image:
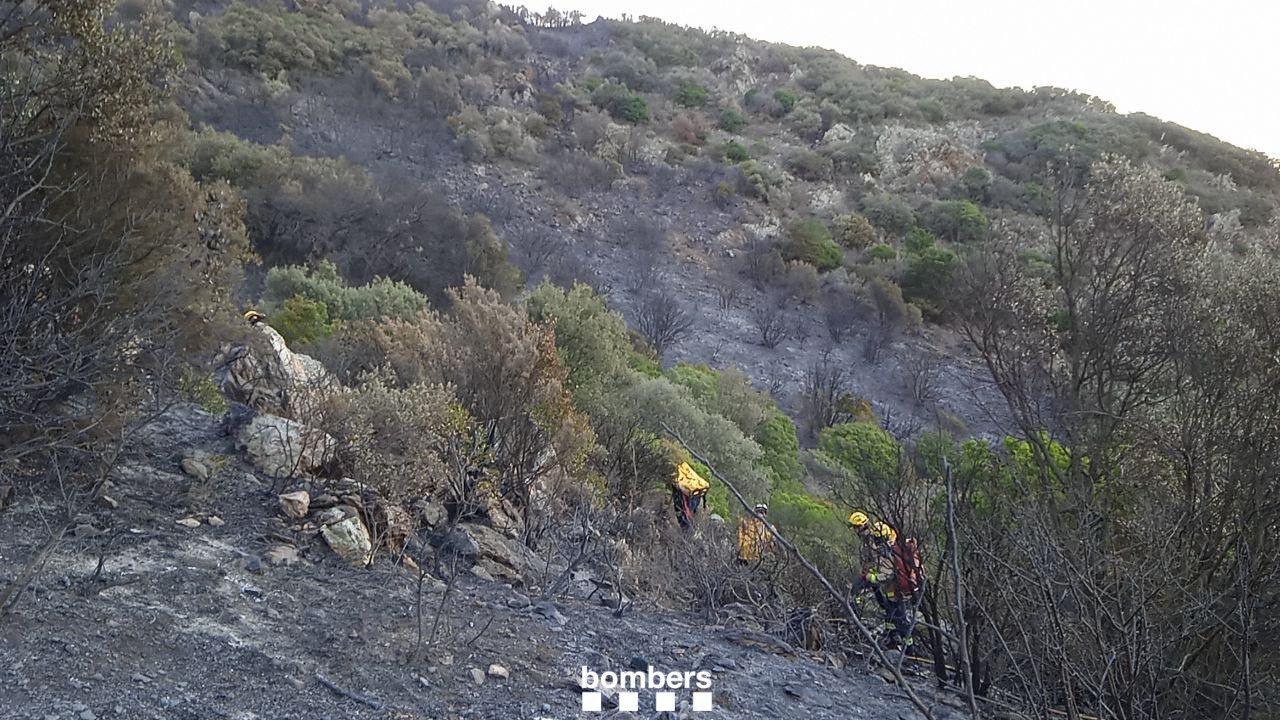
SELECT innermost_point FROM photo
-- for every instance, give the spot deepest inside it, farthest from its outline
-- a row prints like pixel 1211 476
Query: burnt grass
pixel 197 623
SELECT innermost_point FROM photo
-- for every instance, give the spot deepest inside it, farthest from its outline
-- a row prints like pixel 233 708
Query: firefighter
pixel 879 575
pixel 688 493
pixel 753 535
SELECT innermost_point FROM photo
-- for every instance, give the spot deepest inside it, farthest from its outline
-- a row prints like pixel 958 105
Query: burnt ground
pixel 199 623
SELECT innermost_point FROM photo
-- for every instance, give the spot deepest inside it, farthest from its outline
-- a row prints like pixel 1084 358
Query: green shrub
pixel 956 220
pixel 621 103
pixel 919 240
pixel 786 98
pixel 853 230
pixel 731 121
pixel 889 213
pixel 381 298
pixel 780 447
pixel 811 242
pixel 809 165
pixel 862 448
pixel 735 152
pixel 882 252
pixel 928 278
pixel 199 387
pixel 691 95
pixel 301 320
pixel 591 338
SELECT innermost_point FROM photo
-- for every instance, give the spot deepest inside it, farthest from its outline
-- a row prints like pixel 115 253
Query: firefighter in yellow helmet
pixel 753 535
pixel 253 317
pixel 878 575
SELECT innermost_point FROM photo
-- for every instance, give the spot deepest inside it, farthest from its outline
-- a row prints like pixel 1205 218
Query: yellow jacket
pixel 753 539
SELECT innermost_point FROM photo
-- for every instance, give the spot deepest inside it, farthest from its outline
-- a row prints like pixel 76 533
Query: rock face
pixel 282 448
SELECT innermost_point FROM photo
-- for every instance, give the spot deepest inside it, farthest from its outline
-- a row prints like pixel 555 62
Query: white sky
pixel 1213 66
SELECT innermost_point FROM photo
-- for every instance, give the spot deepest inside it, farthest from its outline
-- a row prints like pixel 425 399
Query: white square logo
pixel 590 702
pixel 629 702
pixel 664 702
pixel 702 702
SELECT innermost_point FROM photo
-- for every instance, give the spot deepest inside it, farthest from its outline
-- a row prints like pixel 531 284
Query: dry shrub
pixel 396 439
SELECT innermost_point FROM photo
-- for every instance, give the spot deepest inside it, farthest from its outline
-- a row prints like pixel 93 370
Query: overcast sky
pixel 1209 65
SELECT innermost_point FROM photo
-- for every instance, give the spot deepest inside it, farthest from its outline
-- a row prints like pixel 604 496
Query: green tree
pixel 882 252
pixel 592 339
pixel 780 446
pixel 956 220
pixel 928 278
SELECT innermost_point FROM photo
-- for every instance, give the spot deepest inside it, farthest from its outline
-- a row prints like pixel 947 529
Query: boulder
pixel 295 504
pixel 500 556
pixel 392 524
pixel 281 448
pixel 429 512
pixel 349 538
pixel 195 468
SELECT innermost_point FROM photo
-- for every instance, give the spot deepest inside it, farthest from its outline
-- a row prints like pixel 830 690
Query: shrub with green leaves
pixel 735 152
pixel 301 320
pixel 862 448
pixel 918 240
pixel 890 213
pixel 731 121
pixel 853 230
pixel 691 95
pixel 780 447
pixel 811 242
pixel 956 220
pixel 928 278
pixel 621 103
pixel 592 340
pixel 786 99
pixel 381 298
pixel 882 252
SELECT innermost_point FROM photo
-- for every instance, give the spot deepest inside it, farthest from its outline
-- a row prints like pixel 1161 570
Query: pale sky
pixel 1213 66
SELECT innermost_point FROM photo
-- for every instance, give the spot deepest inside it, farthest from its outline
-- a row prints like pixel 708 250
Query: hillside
pixel 644 158
pixel 391 359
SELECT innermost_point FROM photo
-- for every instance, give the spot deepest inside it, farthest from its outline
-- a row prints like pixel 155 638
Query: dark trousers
pixel 897 621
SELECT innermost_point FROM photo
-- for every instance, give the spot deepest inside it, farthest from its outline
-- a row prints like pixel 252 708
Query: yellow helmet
pixel 882 531
pixel 253 316
pixel 858 519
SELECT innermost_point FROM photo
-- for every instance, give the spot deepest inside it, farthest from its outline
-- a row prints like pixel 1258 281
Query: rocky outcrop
pixel 282 448
pixel 274 378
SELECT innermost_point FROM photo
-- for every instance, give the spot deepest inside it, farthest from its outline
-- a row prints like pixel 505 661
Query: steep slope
pixel 158 620
pixel 644 158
